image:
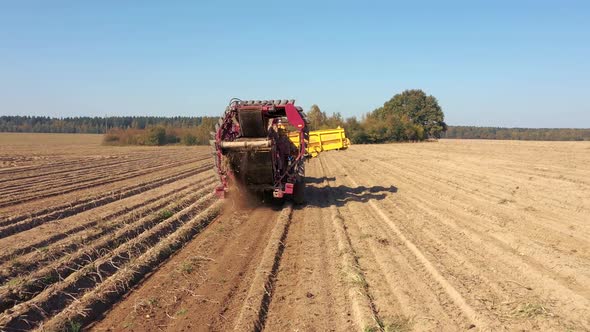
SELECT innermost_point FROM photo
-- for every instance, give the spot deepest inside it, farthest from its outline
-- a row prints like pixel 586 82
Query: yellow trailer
pixel 323 140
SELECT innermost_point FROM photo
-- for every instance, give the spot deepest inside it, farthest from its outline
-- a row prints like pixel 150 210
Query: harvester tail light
pixel 288 188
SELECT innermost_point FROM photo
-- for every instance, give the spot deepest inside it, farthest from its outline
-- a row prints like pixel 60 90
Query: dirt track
pixel 453 235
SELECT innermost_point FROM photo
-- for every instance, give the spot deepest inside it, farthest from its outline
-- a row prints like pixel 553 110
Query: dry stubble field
pixel 452 235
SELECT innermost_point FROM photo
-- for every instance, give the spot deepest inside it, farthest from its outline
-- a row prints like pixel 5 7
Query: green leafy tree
pixel 204 129
pixel 317 119
pixel 189 139
pixel 418 109
pixel 156 136
pixel 334 121
pixel 355 131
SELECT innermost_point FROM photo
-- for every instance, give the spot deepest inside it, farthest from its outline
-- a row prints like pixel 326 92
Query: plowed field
pixel 449 235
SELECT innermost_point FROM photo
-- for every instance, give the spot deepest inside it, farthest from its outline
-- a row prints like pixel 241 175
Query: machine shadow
pixel 340 195
pixel 312 180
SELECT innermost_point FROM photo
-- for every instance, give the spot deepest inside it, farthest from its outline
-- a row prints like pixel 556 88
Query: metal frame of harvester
pixel 253 151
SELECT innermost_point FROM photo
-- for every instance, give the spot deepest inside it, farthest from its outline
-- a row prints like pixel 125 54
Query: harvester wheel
pixel 299 192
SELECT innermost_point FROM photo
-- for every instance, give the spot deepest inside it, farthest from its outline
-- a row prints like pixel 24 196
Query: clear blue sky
pixel 493 63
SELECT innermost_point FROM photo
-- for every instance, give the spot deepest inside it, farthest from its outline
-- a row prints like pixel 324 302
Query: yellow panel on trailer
pixel 323 140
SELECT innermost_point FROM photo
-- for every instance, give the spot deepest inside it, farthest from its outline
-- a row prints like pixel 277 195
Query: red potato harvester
pixel 252 150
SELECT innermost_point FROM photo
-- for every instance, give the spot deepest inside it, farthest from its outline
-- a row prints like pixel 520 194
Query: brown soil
pixel 204 285
pixel 450 235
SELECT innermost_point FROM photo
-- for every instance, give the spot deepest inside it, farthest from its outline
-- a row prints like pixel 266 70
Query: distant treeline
pixel 91 125
pixel 409 116
pixel 162 135
pixel 528 134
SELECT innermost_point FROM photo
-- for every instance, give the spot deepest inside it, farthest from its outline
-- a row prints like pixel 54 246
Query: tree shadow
pixel 326 196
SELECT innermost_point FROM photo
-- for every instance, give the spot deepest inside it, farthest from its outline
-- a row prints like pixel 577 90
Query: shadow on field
pixel 313 180
pixel 325 196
